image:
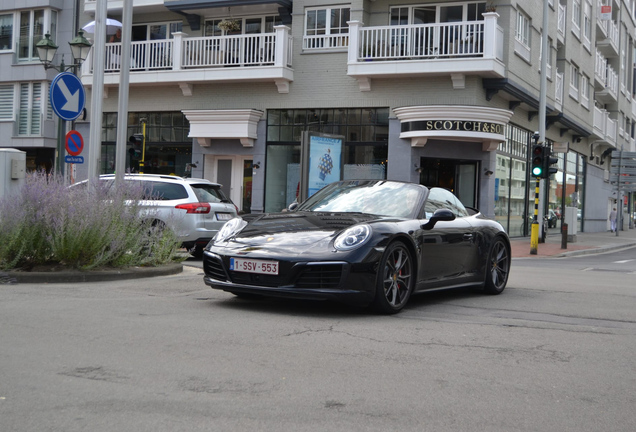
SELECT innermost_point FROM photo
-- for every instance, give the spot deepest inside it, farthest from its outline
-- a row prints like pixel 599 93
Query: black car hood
pixel 300 229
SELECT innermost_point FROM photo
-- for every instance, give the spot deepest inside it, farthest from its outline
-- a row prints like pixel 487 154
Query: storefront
pixel 168 150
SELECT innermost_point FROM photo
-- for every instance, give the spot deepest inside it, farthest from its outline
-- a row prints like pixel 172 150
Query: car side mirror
pixel 292 207
pixel 439 215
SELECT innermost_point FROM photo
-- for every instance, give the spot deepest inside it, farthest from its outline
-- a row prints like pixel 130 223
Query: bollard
pixel 564 236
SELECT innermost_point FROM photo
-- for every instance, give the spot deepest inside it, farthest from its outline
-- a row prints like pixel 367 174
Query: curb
pixel 596 250
pixel 74 276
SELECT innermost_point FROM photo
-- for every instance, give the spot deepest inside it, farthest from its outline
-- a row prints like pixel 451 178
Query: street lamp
pixel 47 49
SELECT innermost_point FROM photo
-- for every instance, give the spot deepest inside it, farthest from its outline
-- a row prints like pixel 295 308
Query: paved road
pixel 556 351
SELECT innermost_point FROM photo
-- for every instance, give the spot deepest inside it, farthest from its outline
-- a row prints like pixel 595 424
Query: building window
pixel 548 60
pixel 33 25
pixel 30 110
pixel 574 82
pixel 585 91
pixel 6 102
pixel 522 36
pixel 256 25
pixel 326 28
pixel 576 18
pixel 6 32
pixel 523 29
pixel 156 31
pixel 587 25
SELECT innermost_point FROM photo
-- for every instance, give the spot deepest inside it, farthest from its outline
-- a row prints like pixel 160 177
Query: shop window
pixel 365 154
pixel 168 148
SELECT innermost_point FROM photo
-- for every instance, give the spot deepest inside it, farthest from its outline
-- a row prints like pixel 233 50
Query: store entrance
pixel 456 175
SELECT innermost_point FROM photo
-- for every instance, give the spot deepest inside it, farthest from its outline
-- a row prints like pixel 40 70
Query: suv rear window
pixel 164 191
pixel 208 193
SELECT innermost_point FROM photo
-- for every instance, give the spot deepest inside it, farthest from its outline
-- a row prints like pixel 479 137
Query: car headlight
pixel 353 237
pixel 230 229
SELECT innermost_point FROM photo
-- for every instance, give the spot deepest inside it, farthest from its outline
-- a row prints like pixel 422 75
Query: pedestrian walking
pixel 612 219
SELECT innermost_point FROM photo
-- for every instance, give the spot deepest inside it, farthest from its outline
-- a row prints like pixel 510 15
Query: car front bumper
pixel 333 280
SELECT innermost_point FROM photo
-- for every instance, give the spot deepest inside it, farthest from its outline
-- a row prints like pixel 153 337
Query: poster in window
pixel 325 161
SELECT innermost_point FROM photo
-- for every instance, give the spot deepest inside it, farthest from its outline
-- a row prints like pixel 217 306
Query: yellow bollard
pixel 534 238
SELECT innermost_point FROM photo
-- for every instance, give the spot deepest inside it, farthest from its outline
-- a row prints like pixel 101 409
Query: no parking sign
pixel 74 144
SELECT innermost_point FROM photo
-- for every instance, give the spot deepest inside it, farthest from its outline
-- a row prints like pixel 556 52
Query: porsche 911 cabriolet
pixel 364 242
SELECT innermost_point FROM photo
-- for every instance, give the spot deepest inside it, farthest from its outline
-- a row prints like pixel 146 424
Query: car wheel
pixel 497 267
pixel 395 279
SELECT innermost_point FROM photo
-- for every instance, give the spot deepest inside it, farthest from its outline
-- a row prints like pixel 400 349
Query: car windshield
pixel 375 197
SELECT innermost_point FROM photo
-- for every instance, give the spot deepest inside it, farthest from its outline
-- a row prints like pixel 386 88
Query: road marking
pixel 622 262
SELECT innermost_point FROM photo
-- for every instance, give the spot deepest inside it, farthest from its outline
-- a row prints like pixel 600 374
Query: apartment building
pixel 27 121
pixel 443 93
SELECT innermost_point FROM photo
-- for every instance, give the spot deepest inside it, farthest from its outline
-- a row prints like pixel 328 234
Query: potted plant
pixel 229 25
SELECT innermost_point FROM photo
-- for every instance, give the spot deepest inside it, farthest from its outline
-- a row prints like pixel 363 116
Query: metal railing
pixel 424 41
pixel 181 52
pixel 234 50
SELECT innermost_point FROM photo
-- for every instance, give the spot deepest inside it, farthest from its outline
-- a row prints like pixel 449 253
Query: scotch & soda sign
pixel 453 125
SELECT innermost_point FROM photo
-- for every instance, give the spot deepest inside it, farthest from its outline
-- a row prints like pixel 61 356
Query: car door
pixel 448 249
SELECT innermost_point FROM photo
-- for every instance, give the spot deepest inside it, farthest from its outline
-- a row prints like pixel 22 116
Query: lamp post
pixel 47 49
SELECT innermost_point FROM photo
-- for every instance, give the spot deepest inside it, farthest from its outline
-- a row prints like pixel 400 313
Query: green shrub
pixel 50 223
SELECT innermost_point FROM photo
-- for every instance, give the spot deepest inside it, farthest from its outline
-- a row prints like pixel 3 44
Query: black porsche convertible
pixel 365 242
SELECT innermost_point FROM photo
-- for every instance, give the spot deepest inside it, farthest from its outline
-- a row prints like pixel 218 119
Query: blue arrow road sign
pixel 67 96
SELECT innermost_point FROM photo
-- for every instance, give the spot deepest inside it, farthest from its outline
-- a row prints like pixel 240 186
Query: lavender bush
pixel 50 223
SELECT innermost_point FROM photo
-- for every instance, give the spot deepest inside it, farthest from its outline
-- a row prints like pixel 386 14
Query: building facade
pixel 27 121
pixel 442 93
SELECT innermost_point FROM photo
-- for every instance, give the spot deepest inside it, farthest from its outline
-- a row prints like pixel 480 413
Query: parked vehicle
pixel 552 219
pixel 195 209
pixel 367 242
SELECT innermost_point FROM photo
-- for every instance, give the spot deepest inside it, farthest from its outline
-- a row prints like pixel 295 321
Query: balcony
pixel 558 91
pixel 605 80
pixel 453 49
pixel 186 61
pixel 604 128
pixel 607 37
pixel 561 20
pixel 117 5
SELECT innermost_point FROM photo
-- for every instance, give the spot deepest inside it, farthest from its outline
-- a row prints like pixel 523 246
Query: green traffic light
pixel 536 171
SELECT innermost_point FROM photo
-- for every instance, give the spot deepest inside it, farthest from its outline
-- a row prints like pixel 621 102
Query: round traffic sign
pixel 67 96
pixel 74 143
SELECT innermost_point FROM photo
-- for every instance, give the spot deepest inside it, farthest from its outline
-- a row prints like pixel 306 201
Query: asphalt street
pixel 555 351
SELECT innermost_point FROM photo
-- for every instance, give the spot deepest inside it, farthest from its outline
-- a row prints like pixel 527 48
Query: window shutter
pixel 6 102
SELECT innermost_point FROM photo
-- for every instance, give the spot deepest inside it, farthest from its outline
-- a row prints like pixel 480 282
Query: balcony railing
pixel 558 89
pixel 600 68
pixel 425 41
pixel 265 56
pixel 456 49
pixel 604 127
pixel 324 42
pixel 561 20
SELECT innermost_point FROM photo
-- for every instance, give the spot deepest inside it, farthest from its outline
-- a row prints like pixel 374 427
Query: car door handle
pixel 468 237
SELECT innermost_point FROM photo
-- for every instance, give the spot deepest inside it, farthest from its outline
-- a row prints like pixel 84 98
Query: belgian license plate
pixel 254 266
pixel 223 216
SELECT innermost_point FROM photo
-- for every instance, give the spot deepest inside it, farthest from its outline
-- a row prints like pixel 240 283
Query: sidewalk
pixel 586 243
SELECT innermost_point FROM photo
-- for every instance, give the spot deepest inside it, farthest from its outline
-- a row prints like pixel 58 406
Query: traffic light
pixel 538 161
pixel 137 141
pixel 549 160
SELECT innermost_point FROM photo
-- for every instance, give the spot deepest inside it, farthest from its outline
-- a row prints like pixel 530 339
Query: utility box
pixel 12 171
pixel 570 219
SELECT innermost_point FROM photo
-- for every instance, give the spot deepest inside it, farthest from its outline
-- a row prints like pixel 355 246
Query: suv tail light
pixel 200 208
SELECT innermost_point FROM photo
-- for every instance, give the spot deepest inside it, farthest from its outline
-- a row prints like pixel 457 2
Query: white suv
pixel 195 209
